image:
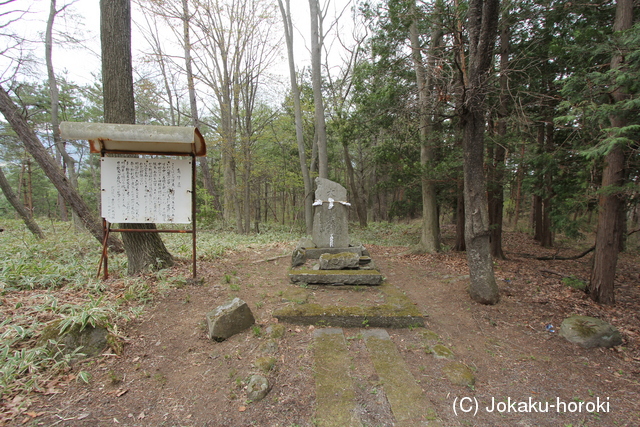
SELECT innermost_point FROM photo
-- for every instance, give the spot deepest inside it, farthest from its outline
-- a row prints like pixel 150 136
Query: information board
pixel 146 190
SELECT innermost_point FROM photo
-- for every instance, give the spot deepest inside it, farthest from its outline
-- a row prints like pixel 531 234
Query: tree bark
pixel 316 79
pixel 430 236
pixel 31 224
pixel 482 21
pixel 611 201
pixel 295 92
pixel 460 244
pixel 520 176
pixel 547 233
pixel 358 201
pixel 145 251
pixel 52 170
pixel 496 193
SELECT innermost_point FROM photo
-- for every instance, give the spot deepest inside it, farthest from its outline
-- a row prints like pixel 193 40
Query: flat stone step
pixel 348 317
pixel 397 311
pixel 335 394
pixel 337 277
pixel 314 253
pixel 406 398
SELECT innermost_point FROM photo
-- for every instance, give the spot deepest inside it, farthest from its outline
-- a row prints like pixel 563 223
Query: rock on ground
pixel 590 332
pixel 229 319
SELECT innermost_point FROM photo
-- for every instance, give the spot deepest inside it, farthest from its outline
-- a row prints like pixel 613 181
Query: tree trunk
pixel 482 24
pixel 547 233
pixel 145 251
pixel 52 170
pixel 608 234
pixel 195 119
pixel 31 224
pixel 520 176
pixel 496 193
pixel 68 161
pixel 316 78
pixel 358 201
pixel 295 91
pixel 460 242
pixel 430 236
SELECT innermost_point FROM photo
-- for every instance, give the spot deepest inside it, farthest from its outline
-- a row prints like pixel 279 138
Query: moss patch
pixel 335 395
pixel 441 352
pixel 265 364
pixel 429 335
pixel 276 331
pixel 296 295
pixel 459 374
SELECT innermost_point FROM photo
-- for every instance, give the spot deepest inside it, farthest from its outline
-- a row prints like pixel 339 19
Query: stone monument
pixel 340 262
pixel 330 219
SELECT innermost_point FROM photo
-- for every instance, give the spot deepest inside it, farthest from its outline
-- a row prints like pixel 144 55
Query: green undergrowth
pixel 214 243
pixel 386 234
pixel 54 280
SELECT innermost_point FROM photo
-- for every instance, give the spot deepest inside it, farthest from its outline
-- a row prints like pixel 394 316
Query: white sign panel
pixel 146 190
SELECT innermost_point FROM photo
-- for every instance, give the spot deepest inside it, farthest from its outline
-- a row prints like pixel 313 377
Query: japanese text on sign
pixel 146 190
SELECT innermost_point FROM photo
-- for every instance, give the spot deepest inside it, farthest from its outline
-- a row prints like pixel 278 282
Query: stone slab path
pixel 336 401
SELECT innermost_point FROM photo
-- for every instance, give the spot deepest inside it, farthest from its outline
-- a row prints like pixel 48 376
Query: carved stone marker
pixel 330 220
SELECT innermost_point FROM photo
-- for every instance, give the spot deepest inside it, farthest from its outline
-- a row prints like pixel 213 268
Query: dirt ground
pixel 171 374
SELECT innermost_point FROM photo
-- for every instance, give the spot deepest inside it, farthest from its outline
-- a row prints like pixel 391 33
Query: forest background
pixel 560 97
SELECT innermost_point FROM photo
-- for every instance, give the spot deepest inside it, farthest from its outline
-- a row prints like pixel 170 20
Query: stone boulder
pixel 298 257
pixel 257 388
pixel 229 319
pixel 89 341
pixel 339 261
pixel 590 332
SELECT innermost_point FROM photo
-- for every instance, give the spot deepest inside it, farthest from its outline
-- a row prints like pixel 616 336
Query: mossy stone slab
pixel 335 394
pixel 383 316
pixel 398 311
pixel 337 277
pixel 406 398
pixel 339 261
pixel 314 253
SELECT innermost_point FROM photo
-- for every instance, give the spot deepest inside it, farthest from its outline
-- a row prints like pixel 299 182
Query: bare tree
pixel 11 196
pixel 33 145
pixel 230 34
pixel 193 104
pixel 69 163
pixel 179 19
pixel 12 45
pixel 317 40
pixel 285 10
